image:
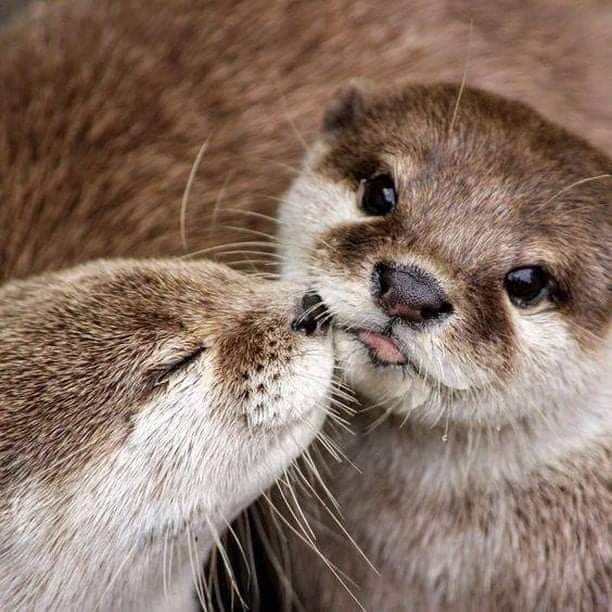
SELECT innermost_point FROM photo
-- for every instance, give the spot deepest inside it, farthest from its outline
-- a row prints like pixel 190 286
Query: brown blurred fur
pixel 104 105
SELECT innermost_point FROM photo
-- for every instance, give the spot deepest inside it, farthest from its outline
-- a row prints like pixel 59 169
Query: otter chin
pixel 463 245
pixel 143 405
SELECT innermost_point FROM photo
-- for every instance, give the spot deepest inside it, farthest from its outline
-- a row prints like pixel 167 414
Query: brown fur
pixel 527 215
pixel 497 493
pixel 540 545
pixel 105 104
pixel 104 107
pixel 125 430
pixel 86 349
pixel 472 507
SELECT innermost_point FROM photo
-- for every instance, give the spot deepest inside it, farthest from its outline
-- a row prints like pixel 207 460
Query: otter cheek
pixel 445 361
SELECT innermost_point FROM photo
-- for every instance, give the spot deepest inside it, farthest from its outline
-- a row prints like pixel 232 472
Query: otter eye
pixel 377 195
pixel 527 285
pixel 164 373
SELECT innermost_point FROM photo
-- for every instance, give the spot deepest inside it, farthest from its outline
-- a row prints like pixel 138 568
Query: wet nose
pixel 409 293
pixel 312 317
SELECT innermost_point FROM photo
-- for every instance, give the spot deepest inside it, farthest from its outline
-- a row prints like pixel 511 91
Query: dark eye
pixel 378 196
pixel 527 285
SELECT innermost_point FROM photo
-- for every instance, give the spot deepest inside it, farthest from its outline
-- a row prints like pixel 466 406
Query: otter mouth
pixel 385 351
pixel 382 348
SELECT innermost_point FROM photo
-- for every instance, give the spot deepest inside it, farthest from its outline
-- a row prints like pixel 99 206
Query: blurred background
pixel 9 7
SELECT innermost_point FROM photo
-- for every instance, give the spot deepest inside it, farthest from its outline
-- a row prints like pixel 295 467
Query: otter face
pixel 463 248
pixel 137 399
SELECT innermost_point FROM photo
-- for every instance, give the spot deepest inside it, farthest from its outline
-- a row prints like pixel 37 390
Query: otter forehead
pixel 112 304
pixel 477 154
pixel 484 184
pixel 435 128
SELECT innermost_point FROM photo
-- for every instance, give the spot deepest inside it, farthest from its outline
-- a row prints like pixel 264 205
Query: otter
pixel 143 405
pixel 463 246
pixel 105 106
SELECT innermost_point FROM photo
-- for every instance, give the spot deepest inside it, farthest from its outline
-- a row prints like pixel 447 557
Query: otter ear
pixel 348 104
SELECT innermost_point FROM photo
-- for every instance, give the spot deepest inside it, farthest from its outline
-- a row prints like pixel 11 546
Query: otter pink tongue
pixel 384 347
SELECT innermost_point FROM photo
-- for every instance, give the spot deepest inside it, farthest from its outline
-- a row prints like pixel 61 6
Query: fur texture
pixel 499 478
pixel 102 112
pixel 105 104
pixel 141 410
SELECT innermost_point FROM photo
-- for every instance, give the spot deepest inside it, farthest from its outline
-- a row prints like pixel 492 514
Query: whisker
pixel 338 574
pixel 290 121
pixel 116 573
pixel 226 562
pixel 195 568
pixel 576 184
pixel 185 198
pixel 463 80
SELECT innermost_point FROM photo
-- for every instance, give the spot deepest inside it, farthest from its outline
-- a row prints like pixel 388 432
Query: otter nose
pixel 312 317
pixel 409 293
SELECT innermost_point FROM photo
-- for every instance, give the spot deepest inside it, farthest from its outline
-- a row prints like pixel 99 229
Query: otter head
pixel 463 246
pixel 140 402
